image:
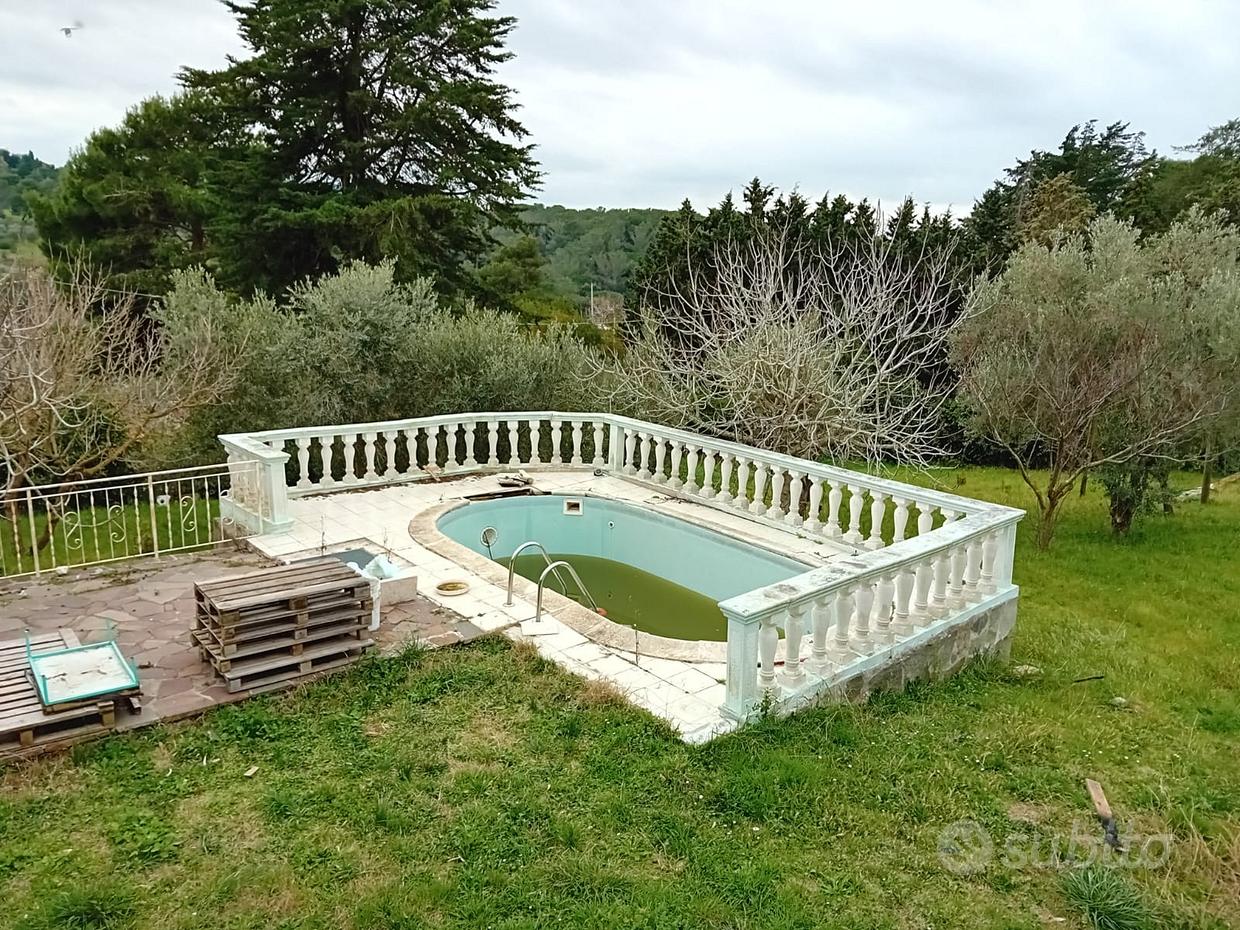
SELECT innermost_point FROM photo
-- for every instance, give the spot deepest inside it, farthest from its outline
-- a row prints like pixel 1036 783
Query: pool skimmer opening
pixel 572 506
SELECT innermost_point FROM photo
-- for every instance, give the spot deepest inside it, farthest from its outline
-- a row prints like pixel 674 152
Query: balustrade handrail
pixel 258 441
pixel 864 566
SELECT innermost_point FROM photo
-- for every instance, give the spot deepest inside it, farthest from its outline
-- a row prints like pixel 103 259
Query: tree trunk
pixel 1084 482
pixel 1122 513
pixel 1207 470
pixel 1046 523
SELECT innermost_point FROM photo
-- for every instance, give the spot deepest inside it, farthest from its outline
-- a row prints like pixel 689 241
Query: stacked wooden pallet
pixel 25 725
pixel 269 627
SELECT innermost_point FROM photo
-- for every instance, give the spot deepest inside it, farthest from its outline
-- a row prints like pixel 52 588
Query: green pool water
pixel 633 597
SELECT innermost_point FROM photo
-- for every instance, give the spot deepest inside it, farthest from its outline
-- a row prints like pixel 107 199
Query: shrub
pixel 358 346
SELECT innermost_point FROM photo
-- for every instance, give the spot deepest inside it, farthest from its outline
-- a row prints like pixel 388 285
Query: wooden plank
pixel 280 646
pixel 1096 794
pixel 230 642
pixel 278 677
pixel 282 612
pixel 274 581
pixel 274 571
pixel 303 590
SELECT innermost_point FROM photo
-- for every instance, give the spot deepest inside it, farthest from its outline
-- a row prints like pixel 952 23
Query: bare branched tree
pixel 86 379
pixel 832 351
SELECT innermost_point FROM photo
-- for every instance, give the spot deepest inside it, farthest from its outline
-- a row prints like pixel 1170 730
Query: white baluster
pixel 389 453
pixel 742 483
pixel 630 440
pixel 920 614
pixel 901 519
pixel 535 441
pixel 863 641
pixel 691 485
pixel 768 642
pixel 834 498
pixel 794 499
pixel 660 455
pixel 441 447
pixel 514 440
pixel 794 631
pixel 759 486
pixel 576 459
pixel 823 616
pixel 493 442
pixel 843 622
pixel 471 460
pixel 726 461
pixel 597 432
pixel 884 593
pixel 973 571
pixel 643 455
pixel 368 451
pixel 325 460
pixel 990 549
pixel 878 512
pixel 955 596
pixel 776 510
pixel 674 480
pixel 303 461
pixel 707 491
pixel 557 437
pixel 942 575
pixel 813 521
pixel 853 535
pixel 925 518
pixel 900 625
pixel 350 458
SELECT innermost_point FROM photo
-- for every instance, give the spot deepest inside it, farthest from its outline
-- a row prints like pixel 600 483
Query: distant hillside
pixel 584 247
pixel 20 175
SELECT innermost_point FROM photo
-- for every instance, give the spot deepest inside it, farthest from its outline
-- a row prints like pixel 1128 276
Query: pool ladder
pixel 553 568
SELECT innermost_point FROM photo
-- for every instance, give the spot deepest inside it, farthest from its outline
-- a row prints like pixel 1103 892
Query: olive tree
pixel 1100 349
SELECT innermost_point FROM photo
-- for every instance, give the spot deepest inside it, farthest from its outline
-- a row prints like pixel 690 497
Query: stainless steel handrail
pixel 542 578
pixel 512 561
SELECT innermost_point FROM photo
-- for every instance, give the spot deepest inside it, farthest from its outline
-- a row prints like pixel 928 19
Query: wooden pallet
pixel 264 670
pixel 282 623
pixel 229 641
pixel 278 645
pixel 290 588
pixel 24 725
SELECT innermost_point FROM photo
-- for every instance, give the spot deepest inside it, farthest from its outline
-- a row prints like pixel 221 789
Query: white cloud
pixel 647 102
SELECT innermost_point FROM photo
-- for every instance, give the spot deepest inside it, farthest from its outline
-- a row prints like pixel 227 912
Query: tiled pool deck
pixel 686 694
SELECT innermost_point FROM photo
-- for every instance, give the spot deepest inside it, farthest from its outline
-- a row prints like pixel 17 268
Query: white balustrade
pixel 921 576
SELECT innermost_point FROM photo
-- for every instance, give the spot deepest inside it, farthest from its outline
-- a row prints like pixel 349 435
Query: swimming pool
pixel 663 575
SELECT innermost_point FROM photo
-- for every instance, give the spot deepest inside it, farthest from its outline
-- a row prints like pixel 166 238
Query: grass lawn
pixel 481 787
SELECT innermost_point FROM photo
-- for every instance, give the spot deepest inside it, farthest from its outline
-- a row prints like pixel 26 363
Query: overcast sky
pixel 645 102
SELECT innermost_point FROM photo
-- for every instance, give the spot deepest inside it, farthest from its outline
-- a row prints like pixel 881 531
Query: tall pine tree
pixel 383 132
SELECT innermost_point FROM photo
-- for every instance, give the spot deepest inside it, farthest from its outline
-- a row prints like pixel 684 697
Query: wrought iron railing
pixel 58 526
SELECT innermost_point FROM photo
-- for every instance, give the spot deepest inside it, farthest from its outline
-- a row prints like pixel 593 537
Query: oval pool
pixel 663 575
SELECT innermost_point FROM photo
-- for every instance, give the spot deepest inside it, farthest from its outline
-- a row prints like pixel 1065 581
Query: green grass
pixel 481 787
